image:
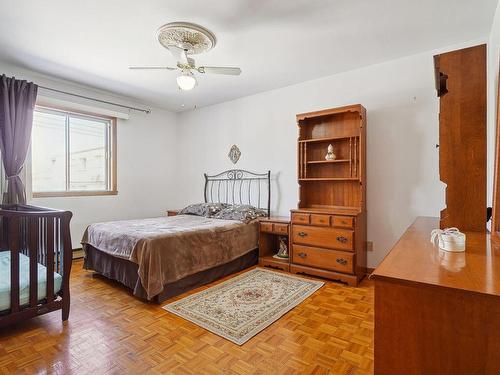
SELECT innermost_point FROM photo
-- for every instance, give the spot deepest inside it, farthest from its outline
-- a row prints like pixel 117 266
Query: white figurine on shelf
pixel 283 250
pixel 330 155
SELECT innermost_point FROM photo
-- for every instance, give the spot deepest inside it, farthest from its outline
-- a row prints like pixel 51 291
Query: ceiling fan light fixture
pixel 186 81
pixel 183 39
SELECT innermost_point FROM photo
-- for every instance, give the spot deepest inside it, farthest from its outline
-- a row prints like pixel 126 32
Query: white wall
pixel 146 161
pixel 403 180
pixel 402 131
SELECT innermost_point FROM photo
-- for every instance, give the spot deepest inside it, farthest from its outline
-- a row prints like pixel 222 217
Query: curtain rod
pixel 97 100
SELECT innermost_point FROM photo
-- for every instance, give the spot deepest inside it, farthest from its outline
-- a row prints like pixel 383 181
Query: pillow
pixel 203 209
pixel 241 212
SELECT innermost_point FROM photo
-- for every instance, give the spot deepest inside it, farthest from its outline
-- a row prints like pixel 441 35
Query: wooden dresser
pixel 438 313
pixel 328 235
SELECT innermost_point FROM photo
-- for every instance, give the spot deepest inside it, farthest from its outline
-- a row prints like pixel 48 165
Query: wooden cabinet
pixel 461 86
pixel 271 229
pixel 173 212
pixel 328 229
pixel 437 312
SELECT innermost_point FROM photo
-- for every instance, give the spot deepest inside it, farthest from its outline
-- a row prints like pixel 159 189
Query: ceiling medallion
pixel 192 38
pixel 234 154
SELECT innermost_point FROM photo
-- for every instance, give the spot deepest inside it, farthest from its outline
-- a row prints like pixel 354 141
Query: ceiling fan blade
pixel 219 70
pixel 152 67
pixel 179 54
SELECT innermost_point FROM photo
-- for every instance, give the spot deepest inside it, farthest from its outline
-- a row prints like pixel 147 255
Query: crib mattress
pixel 24 280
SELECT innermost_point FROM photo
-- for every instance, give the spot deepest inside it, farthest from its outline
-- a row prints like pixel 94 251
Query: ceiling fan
pixel 183 39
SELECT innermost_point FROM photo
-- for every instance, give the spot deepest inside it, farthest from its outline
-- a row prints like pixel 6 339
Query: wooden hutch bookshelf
pixel 329 226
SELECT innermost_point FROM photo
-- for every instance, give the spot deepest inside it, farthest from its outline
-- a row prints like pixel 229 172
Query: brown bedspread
pixel 167 249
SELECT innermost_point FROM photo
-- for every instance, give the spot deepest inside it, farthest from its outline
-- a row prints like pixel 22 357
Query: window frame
pixel 111 160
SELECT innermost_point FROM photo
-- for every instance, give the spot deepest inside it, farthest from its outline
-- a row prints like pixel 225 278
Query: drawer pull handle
pixel 342 239
pixel 302 234
pixel 302 255
pixel 341 261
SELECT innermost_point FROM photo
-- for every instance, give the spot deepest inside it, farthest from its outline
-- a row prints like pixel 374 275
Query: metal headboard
pixel 237 186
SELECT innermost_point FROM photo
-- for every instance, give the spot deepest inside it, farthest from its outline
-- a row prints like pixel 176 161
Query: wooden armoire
pixel 461 86
pixel 329 226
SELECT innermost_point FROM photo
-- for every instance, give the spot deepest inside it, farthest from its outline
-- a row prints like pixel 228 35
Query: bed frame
pixel 237 186
pixel 43 235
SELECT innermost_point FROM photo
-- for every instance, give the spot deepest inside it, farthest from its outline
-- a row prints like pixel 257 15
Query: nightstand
pixel 173 212
pixel 270 230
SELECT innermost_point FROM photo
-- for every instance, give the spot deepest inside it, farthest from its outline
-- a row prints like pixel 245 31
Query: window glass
pixel 88 164
pixel 71 153
pixel 48 147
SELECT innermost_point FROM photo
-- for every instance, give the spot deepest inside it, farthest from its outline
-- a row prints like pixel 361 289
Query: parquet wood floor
pixel 111 332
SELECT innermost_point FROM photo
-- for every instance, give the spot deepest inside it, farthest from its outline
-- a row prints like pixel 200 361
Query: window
pixel 72 154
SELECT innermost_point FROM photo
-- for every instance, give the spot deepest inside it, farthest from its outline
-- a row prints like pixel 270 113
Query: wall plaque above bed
pixel 234 154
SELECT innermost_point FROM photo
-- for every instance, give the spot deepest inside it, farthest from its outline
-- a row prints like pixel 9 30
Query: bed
pixel 158 258
pixel 35 262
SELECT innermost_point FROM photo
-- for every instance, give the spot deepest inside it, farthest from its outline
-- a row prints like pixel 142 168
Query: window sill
pixel 59 194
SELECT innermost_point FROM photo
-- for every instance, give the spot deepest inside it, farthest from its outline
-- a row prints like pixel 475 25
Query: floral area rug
pixel 241 307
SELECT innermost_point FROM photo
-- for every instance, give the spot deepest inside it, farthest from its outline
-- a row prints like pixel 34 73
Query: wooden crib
pixel 36 242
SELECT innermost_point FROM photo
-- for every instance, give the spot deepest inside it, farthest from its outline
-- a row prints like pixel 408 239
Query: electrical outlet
pixel 369 246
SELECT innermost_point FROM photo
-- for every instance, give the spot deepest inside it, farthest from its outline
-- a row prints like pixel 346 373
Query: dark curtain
pixel 17 101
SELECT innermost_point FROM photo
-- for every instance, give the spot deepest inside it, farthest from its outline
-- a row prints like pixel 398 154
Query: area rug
pixel 241 307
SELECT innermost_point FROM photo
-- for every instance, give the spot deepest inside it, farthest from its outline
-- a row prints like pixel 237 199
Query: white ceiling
pixel 275 42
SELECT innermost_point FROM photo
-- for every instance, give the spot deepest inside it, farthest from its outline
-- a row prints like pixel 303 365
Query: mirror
pixel 495 219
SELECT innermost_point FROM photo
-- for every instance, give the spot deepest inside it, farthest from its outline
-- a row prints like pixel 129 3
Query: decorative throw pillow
pixel 203 209
pixel 241 212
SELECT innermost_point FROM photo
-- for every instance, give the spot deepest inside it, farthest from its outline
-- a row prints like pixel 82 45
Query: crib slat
pixel 33 254
pixel 57 240
pixel 50 259
pixel 14 263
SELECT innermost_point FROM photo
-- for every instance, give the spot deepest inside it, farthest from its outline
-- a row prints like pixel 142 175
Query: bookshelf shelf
pixel 329 179
pixel 328 161
pixel 328 139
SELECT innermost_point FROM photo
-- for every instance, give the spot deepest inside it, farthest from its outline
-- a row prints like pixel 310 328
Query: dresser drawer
pixel 266 227
pixel 299 218
pixel 343 221
pixel 280 228
pixel 320 220
pixel 323 237
pixel 323 258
